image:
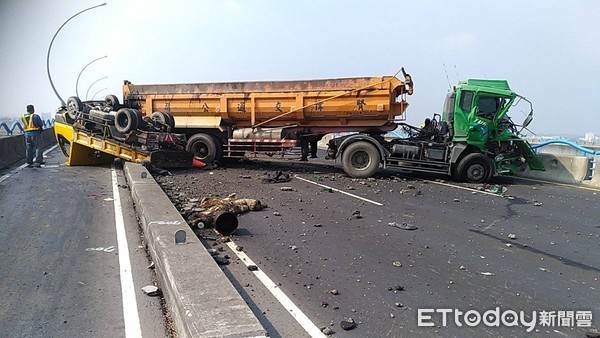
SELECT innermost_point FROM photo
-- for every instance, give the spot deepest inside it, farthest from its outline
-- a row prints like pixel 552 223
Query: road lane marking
pixel 465 188
pixel 283 299
pixel 130 309
pixel 24 165
pixel 338 190
pixel 559 184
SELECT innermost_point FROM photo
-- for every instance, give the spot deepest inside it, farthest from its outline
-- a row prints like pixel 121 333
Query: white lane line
pixel 338 190
pixel 24 165
pixel 465 188
pixel 284 300
pixel 130 310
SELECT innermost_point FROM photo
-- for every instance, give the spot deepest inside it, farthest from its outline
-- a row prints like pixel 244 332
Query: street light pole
pixel 50 48
pixel 90 87
pixel 81 72
pixel 98 92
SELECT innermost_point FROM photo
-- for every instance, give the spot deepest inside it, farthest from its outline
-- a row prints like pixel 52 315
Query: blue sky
pixel 549 51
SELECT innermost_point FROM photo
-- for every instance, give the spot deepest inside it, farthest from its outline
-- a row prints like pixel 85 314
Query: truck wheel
pixel 164 118
pixel 74 106
pixel 474 168
pixel 112 101
pixel 361 159
pixel 205 147
pixel 126 120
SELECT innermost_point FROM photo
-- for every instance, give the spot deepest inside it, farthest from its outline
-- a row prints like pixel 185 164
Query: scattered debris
pixel 220 260
pixel 512 236
pixel 397 264
pixel 246 176
pixel 487 273
pixel 348 324
pixel 403 226
pixel 108 199
pixel 496 189
pixel 151 266
pixel 276 213
pixel 392 315
pixel 537 204
pixel 277 177
pixel 509 245
pixel 287 189
pixel 457 200
pixel 356 215
pixel 544 269
pixel 327 190
pixel 327 331
pixel 399 304
pixel 252 267
pixel 239 248
pixel 462 267
pixel 324 304
pixel 396 287
pixel 318 225
pixel 151 290
pixel 334 292
pixel 213 207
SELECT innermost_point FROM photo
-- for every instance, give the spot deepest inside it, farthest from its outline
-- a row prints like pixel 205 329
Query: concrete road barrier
pixel 561 169
pixel 12 148
pixel 201 299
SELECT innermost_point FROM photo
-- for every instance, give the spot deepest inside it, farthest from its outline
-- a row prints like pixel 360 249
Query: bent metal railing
pixel 48 123
pixel 586 151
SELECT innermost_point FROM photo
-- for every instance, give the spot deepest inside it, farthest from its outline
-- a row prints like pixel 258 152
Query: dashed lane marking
pixel 130 309
pixel 465 188
pixel 24 165
pixel 283 299
pixel 338 190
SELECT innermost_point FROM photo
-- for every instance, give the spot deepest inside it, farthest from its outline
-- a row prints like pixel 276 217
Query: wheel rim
pixel 360 159
pixel 200 150
pixel 123 120
pixel 476 172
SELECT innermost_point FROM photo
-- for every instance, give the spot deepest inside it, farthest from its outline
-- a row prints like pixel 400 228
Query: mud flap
pixel 532 159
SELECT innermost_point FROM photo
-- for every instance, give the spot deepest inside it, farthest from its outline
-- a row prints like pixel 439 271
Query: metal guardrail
pixel 48 123
pixel 586 151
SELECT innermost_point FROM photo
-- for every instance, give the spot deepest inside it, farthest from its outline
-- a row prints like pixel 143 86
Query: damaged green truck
pixel 472 140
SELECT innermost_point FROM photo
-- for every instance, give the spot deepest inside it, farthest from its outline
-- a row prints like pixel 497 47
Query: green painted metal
pixel 477 110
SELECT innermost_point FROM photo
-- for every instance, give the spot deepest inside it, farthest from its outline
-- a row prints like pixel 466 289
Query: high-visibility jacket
pixel 28 123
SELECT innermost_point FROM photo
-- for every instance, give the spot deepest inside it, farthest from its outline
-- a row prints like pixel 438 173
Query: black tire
pixel 204 147
pixel 65 145
pixel 474 168
pixel 361 159
pixel 113 102
pixel 74 106
pixel 164 118
pixel 127 120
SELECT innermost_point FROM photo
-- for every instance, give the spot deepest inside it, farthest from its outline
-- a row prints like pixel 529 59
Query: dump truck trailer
pixel 472 140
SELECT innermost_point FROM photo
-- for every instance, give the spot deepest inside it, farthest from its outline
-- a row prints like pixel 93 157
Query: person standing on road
pixel 32 124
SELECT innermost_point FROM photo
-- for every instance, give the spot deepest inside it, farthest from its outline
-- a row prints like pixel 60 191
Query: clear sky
pixel 548 50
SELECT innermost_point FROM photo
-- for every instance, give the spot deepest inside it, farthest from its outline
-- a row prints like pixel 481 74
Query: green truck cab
pixel 473 140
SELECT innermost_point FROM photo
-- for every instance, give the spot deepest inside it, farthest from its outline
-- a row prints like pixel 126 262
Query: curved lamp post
pixel 98 92
pixel 81 72
pixel 90 87
pixel 50 48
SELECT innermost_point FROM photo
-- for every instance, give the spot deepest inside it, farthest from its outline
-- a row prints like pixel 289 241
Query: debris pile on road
pixel 212 210
pixel 277 177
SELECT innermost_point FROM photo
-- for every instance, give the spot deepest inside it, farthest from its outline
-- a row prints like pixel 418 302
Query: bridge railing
pixel 586 151
pixel 48 123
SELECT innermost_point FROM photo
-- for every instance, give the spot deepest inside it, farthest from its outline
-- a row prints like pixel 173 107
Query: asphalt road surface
pixel 62 263
pixel 536 248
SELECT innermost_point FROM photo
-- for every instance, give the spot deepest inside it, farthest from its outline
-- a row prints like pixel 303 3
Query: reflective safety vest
pixel 28 123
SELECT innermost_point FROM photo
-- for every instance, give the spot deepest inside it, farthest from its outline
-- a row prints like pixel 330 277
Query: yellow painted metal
pixel 87 149
pixel 367 102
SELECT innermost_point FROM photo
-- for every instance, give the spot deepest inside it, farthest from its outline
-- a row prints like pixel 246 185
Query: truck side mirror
pixel 528 120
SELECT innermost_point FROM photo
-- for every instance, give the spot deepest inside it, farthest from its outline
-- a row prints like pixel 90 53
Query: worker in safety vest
pixel 32 124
